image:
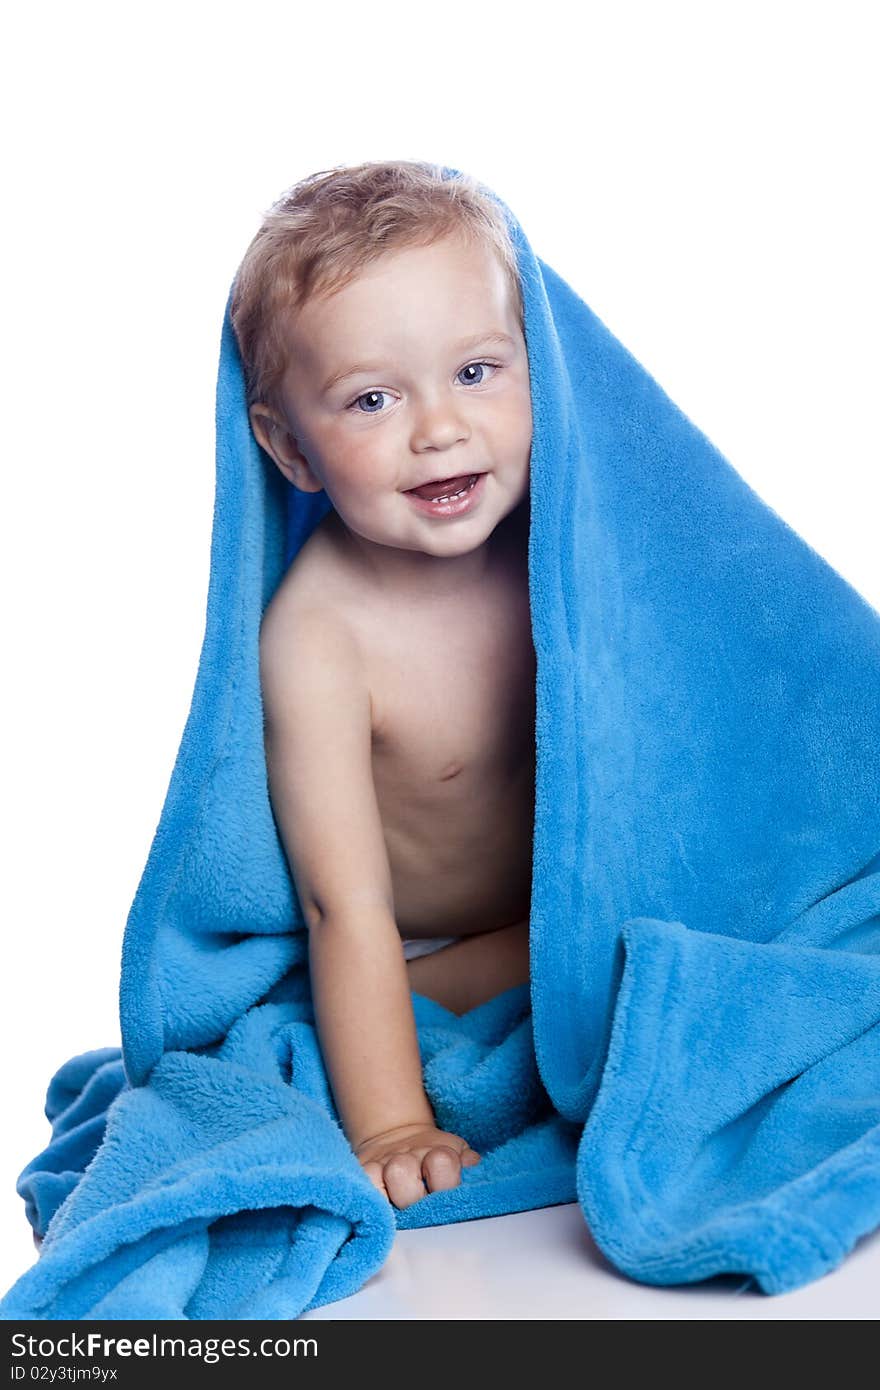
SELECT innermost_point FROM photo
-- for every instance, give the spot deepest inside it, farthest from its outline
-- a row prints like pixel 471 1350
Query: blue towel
pixel 697 1059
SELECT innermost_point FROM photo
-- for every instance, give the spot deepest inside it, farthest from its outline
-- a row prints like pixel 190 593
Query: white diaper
pixel 424 945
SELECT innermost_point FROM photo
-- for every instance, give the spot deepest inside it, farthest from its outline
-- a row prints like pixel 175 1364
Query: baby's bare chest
pixel 453 703
pixel 452 692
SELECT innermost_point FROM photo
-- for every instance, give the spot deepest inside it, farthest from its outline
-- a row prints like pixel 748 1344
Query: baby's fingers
pixel 397 1178
pixel 403 1179
pixel 441 1168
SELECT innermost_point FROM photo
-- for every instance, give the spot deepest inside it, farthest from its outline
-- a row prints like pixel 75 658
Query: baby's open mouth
pixel 445 489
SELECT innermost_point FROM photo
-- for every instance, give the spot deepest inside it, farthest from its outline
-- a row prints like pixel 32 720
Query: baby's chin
pixel 452 541
pixel 441 539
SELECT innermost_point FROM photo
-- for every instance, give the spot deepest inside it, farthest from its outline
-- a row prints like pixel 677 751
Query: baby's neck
pixel 433 577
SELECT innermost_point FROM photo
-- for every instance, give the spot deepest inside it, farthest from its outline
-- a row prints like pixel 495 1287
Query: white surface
pixel 545 1265
pixel 703 175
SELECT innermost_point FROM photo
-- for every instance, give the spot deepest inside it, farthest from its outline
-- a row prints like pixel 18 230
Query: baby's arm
pixel 318 750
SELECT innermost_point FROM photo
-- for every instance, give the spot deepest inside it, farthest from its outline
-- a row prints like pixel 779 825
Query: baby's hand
pixel 406 1161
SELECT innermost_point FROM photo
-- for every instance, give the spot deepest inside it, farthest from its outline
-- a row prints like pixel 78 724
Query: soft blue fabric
pixel 698 1059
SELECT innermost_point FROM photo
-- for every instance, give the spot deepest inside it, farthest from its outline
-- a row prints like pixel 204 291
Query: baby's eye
pixel 367 396
pixel 476 367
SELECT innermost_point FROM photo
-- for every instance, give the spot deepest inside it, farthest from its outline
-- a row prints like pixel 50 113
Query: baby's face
pixel 415 371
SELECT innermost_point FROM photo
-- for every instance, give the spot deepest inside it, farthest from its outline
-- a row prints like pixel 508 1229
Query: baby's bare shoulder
pixel 314 584
pixel 300 633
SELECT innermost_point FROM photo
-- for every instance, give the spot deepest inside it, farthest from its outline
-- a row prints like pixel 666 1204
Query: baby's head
pixel 379 316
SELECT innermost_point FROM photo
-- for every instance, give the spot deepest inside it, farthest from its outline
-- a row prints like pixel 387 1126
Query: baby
pixel 379 315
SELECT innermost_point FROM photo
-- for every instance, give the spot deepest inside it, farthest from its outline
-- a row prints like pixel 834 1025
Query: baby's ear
pixel 272 433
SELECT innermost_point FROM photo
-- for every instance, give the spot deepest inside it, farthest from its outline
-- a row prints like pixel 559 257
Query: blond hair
pixel 321 233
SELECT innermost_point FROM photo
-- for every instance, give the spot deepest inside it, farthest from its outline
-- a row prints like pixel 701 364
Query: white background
pixel 701 173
